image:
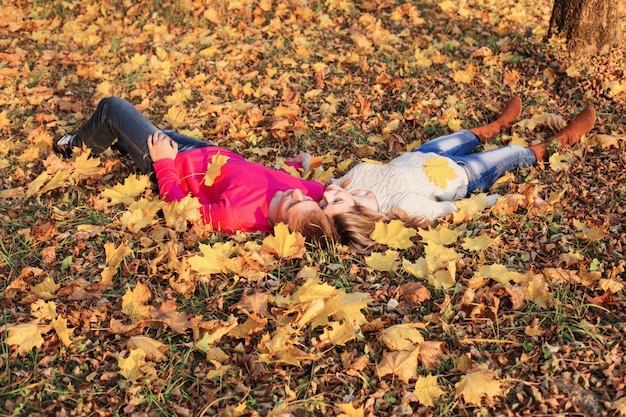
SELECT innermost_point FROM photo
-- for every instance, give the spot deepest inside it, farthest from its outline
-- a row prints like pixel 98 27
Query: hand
pixel 161 146
pixel 301 157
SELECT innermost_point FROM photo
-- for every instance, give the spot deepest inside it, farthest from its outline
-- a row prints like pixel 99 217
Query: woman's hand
pixel 161 146
pixel 301 157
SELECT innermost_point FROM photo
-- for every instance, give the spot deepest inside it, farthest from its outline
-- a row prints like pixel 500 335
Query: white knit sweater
pixel 404 183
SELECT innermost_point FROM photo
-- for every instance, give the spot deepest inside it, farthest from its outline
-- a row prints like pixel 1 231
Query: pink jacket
pixel 239 197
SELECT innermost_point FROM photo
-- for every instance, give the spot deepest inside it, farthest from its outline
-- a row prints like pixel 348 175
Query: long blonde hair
pixel 354 228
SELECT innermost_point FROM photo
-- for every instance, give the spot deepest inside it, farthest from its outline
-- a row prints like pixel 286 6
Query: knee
pixel 109 103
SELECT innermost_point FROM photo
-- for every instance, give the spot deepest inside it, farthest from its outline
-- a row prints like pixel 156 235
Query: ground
pixel 111 307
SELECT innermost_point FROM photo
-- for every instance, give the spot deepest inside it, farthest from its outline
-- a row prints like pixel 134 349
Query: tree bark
pixel 591 27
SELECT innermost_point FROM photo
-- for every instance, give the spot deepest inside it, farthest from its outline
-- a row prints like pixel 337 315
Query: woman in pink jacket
pixel 246 196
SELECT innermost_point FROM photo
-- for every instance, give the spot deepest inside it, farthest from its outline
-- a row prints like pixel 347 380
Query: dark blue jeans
pixel 115 118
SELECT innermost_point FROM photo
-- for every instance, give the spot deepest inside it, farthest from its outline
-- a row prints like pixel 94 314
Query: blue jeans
pixel 482 168
pixel 115 118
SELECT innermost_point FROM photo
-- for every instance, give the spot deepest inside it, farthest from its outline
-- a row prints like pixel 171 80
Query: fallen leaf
pixel 402 364
pixel 393 234
pixel 427 390
pixel 285 244
pixel 26 336
pixel 478 384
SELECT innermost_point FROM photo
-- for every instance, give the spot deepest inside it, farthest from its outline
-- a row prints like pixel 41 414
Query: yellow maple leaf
pixel 282 346
pixel 444 278
pixel 441 235
pixel 439 256
pixel 131 366
pixel 349 410
pixel 427 390
pixel 59 180
pixel 59 325
pixel 46 288
pixel 439 171
pixel 339 333
pixel 86 166
pixel 469 207
pixel 405 336
pixel 402 364
pixel 479 243
pixel 477 384
pixel 500 273
pixel 462 76
pixel 508 204
pixel 418 269
pixel 44 310
pixel 26 336
pixel 615 87
pixel 134 302
pixel 212 261
pixel 125 193
pixel 393 234
pixel 4 120
pixel 35 185
pixel 344 307
pixel 558 162
pixel 114 256
pixel 285 244
pixel 538 291
pixel 178 213
pixel 383 262
pixel 141 214
pixel 176 116
pixel 152 348
pixel 214 168
pixel 220 330
pixel 610 285
pixel 103 89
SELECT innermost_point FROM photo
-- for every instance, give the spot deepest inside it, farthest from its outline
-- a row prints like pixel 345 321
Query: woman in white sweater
pixel 419 186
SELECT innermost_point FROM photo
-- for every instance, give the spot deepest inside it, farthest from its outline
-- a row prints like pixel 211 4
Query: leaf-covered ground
pixel 112 308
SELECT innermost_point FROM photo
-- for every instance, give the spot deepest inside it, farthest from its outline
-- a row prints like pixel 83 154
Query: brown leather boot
pixel 572 133
pixel 576 128
pixel 511 111
pixel 540 150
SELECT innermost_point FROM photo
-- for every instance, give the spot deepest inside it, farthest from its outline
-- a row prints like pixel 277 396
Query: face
pixel 337 200
pixel 289 205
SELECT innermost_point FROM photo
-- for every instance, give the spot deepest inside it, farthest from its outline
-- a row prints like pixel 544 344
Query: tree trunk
pixel 591 27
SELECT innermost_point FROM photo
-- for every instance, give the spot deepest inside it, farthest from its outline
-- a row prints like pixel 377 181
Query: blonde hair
pixel 354 228
pixel 316 228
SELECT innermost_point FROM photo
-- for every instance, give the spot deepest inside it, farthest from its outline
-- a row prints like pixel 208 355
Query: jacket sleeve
pixel 170 188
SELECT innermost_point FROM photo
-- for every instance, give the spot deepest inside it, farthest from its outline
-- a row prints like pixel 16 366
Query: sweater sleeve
pixel 416 205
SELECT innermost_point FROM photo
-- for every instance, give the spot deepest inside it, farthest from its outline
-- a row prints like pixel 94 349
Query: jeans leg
pixel 462 142
pixel 484 168
pixel 186 143
pixel 116 118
